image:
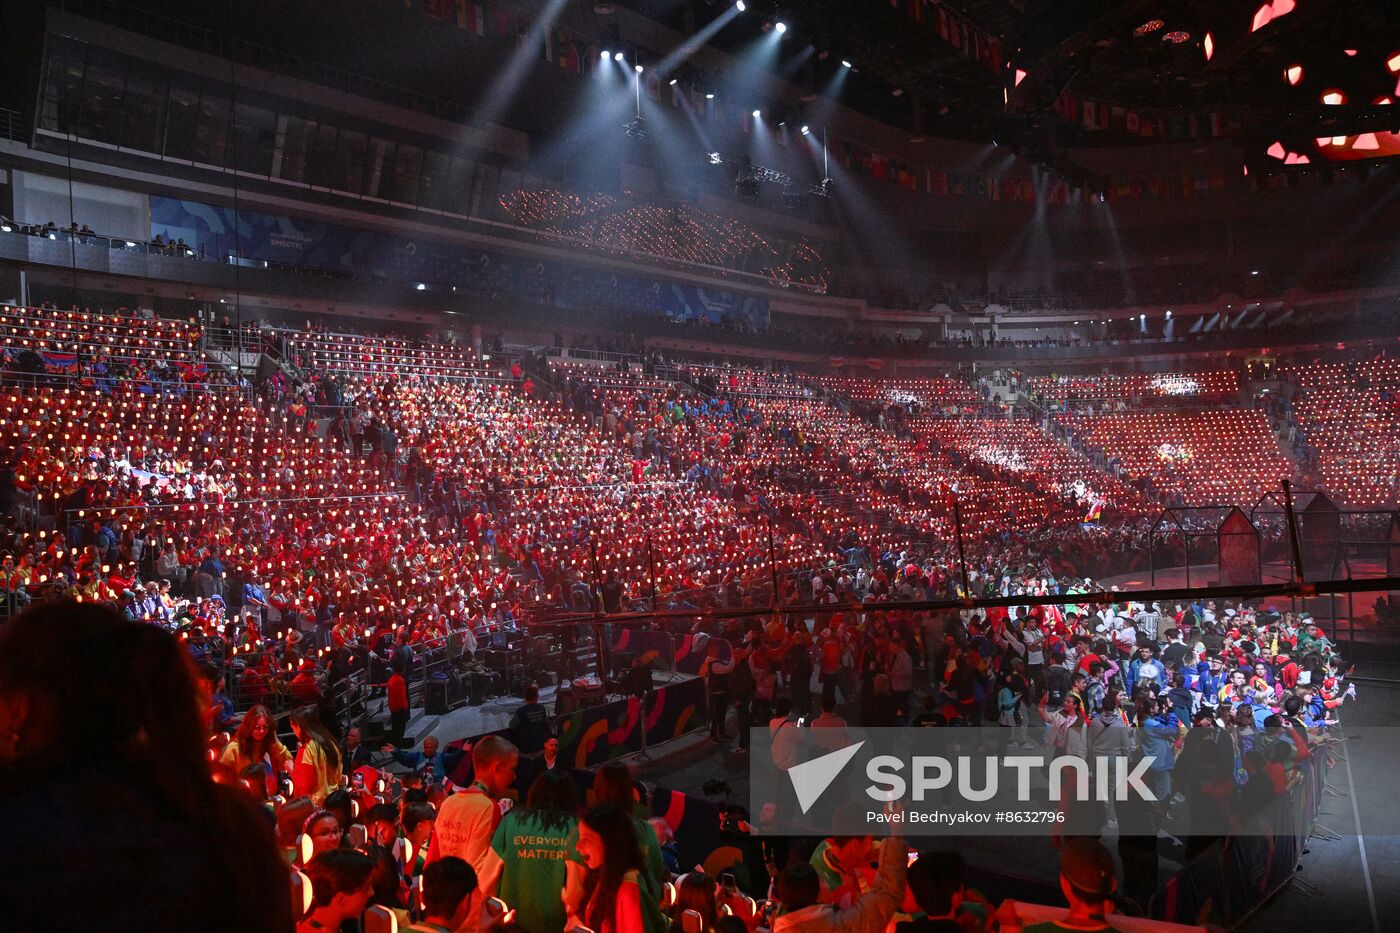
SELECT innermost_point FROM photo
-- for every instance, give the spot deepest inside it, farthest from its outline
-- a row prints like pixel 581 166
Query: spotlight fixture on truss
pixel 821 189
pixel 748 171
pixel 772 176
pixel 636 128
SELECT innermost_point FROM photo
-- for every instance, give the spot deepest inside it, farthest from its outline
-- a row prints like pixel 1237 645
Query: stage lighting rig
pixel 636 128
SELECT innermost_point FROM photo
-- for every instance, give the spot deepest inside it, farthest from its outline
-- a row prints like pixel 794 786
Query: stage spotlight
pixel 638 69
pixel 845 63
pixel 617 56
pixel 806 131
pixel 1393 63
pixel 422 287
pixel 1293 74
pixel 603 55
pixel 710 96
pixel 780 26
pixel 757 114
pixel 715 159
pixel 1333 98
pixel 672 82
pixel 740 6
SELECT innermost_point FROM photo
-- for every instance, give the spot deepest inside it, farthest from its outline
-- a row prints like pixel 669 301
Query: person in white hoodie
pixel 799 888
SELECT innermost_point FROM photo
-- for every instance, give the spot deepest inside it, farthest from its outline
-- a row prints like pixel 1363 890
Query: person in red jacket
pixel 398 705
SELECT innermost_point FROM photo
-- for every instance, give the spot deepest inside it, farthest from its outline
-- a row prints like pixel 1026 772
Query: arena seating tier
pixel 1350 415
pixel 1227 457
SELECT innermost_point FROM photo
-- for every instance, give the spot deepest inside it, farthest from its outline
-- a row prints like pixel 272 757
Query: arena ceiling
pixel 1262 68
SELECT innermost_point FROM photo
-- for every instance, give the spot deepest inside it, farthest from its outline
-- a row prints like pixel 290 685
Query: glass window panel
pixel 63 86
pixel 144 108
pixel 293 143
pixel 211 129
pixel 350 161
pixel 484 191
pixel 182 117
pixel 100 114
pixel 403 180
pixel 432 183
pixel 324 160
pixel 378 162
pixel 458 196
pixel 253 131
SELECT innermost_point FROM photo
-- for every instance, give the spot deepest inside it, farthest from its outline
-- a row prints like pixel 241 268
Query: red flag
pixel 471 16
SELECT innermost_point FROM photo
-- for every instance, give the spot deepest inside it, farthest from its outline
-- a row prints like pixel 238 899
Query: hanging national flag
pixel 471 16
pixel 571 59
pixel 502 23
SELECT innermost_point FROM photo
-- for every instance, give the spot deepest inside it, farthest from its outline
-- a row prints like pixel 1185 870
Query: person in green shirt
pixel 533 843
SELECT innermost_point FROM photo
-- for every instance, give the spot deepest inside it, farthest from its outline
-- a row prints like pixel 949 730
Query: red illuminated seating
pixel 929 393
pixel 354 354
pixel 1228 457
pixel 1214 384
pixel 1350 415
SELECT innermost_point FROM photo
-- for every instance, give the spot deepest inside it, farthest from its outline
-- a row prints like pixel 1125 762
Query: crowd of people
pixel 347 519
pixel 1232 699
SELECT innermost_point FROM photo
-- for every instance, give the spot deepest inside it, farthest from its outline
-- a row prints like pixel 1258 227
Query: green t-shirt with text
pixel 533 857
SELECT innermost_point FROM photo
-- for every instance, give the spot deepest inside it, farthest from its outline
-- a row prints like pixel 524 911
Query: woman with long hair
pixel 256 743
pixel 316 771
pixel 104 774
pixel 612 892
pixel 532 842
pixel 698 892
